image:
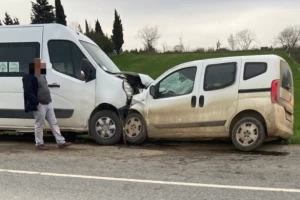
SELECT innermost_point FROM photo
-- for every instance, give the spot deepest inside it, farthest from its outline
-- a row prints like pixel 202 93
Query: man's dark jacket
pixel 30 86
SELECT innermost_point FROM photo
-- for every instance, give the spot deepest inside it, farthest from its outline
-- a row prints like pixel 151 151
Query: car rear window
pixel 286 76
pixel 253 69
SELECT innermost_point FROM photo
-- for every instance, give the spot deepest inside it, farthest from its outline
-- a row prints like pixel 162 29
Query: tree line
pixel 288 40
pixel 43 13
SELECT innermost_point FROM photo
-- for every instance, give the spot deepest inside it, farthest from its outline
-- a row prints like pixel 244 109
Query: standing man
pixel 37 98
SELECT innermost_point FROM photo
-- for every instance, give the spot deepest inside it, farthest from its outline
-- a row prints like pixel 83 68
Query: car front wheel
pixel 135 129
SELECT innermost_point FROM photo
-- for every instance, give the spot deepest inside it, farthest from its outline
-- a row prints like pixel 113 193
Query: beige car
pixel 247 99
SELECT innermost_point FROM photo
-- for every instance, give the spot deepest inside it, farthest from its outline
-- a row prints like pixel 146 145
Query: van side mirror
pixel 153 91
pixel 88 72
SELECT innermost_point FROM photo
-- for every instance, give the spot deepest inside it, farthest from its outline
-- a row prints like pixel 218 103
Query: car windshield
pixel 100 57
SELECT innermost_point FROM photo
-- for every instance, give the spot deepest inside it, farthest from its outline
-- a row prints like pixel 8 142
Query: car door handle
pixel 54 85
pixel 201 101
pixel 193 102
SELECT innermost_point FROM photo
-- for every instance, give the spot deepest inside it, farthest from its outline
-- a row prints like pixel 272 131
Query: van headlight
pixel 128 89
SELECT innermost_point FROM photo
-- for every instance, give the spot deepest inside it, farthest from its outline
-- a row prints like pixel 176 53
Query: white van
pixel 94 102
pixel 243 98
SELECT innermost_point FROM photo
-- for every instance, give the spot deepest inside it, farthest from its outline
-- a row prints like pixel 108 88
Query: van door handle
pixel 54 85
pixel 193 103
pixel 201 101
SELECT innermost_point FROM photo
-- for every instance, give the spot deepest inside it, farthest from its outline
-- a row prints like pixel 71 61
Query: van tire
pixel 141 125
pixel 244 130
pixel 114 135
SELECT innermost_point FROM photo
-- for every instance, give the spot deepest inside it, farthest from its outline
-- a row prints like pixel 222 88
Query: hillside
pixel 155 65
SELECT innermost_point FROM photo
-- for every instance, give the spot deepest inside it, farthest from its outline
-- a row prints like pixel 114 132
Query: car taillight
pixel 274 89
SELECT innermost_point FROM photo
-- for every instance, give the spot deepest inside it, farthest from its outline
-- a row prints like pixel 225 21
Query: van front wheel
pixel 106 127
pixel 248 134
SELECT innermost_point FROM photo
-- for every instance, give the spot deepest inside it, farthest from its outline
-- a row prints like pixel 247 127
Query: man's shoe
pixel 64 145
pixel 42 147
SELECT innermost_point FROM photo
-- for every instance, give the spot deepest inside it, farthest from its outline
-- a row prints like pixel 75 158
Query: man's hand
pixel 38 106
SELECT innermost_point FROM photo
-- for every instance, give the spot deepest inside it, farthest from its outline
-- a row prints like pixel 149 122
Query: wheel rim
pixel 133 127
pixel 105 127
pixel 247 134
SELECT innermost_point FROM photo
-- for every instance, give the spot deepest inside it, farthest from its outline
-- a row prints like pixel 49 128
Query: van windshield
pixel 100 57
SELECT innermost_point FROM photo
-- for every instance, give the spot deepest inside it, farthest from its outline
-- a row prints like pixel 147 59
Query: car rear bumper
pixel 281 123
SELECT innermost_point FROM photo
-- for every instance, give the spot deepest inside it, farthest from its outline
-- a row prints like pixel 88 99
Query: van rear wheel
pixel 106 127
pixel 248 134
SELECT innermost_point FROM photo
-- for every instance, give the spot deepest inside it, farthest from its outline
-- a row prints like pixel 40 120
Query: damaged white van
pixel 243 98
pixel 89 93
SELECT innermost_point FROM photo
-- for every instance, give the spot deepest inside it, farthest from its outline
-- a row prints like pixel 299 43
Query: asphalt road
pixel 163 170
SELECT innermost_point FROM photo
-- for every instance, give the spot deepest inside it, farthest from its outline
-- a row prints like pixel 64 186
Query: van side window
pixel 219 76
pixel 66 57
pixel 254 69
pixel 16 57
pixel 177 83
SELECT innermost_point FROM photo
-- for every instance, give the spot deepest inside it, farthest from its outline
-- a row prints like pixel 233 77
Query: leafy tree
pixel 60 13
pixel 0 23
pixel 98 28
pixel 244 38
pixel 8 20
pixel 118 37
pixel 42 12
pixel 289 37
pixel 149 36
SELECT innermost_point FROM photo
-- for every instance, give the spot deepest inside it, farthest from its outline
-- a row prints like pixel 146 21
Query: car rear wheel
pixel 135 129
pixel 248 134
pixel 106 127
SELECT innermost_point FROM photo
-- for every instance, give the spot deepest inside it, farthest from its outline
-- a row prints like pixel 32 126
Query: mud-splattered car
pixel 247 99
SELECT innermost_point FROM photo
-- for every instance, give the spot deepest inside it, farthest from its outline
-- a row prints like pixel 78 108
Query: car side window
pixel 66 58
pixel 177 83
pixel 16 57
pixel 219 76
pixel 254 69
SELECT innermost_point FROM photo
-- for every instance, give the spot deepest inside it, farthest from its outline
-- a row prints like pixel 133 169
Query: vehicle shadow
pixel 208 146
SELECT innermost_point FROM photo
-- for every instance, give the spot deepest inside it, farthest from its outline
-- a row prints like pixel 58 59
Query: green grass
pixel 154 65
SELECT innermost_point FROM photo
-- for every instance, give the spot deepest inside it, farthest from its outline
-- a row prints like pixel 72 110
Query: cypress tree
pixel 86 27
pixel 117 36
pixel 60 13
pixel 98 28
pixel 8 20
pixel 16 21
pixel 42 12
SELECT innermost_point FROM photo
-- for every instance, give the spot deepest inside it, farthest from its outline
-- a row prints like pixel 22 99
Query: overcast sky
pixel 199 23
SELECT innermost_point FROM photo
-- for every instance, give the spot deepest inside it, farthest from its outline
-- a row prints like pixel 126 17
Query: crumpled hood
pixel 137 81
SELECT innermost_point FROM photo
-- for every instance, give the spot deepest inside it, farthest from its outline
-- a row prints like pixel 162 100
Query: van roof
pixel 33 25
pixel 55 26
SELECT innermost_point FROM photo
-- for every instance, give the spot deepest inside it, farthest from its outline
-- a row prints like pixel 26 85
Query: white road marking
pixel 235 187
